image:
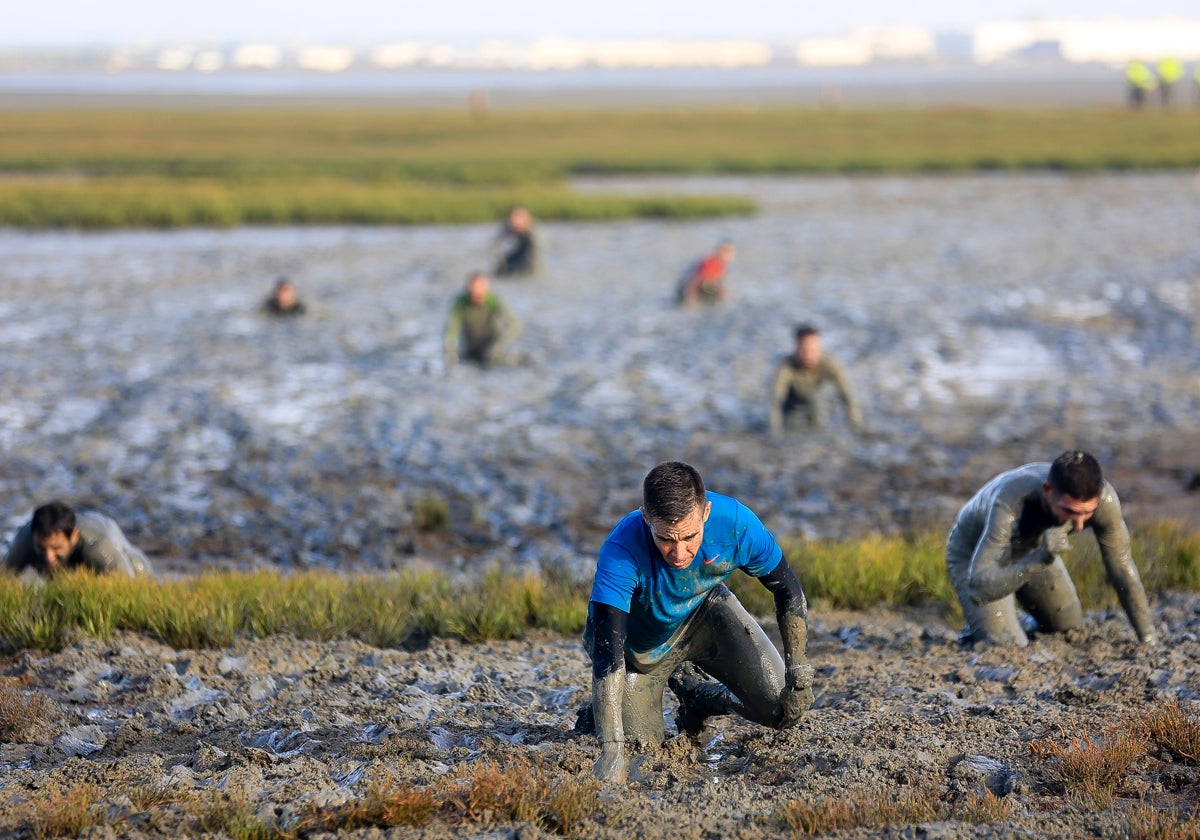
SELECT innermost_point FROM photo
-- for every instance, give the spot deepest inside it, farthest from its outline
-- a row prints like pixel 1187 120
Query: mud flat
pixel 985 321
pixel 287 725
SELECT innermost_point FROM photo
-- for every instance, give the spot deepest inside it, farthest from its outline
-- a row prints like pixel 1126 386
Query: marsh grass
pixel 986 809
pixel 1173 730
pixel 864 809
pixel 431 514
pixel 1089 770
pixel 20 712
pixel 214 609
pixel 146 168
pixel 1149 823
pixel 65 811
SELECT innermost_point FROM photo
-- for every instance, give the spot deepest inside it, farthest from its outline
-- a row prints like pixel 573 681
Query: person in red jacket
pixel 705 281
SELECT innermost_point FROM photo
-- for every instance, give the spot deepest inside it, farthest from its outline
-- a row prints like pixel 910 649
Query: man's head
pixel 1072 490
pixel 54 532
pixel 284 294
pixel 726 251
pixel 519 220
pixel 808 345
pixel 675 508
pixel 478 286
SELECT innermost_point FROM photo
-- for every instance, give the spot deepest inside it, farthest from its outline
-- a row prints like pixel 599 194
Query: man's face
pixel 808 351
pixel 679 541
pixel 477 289
pixel 55 547
pixel 1066 508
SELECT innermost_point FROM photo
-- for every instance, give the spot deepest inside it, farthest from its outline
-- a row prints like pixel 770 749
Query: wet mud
pixel 984 322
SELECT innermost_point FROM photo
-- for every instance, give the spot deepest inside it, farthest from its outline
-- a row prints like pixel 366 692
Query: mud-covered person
pixel 659 603
pixel 1007 543
pixel 57 538
pixel 479 328
pixel 704 282
pixel 283 300
pixel 520 246
pixel 799 378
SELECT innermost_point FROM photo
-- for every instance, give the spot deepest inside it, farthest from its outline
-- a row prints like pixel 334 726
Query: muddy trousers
pixel 1049 596
pixel 729 645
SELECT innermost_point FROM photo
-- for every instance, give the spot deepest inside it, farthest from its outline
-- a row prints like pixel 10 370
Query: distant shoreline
pixel 905 86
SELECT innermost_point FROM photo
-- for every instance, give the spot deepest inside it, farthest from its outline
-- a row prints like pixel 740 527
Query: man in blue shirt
pixel 659 602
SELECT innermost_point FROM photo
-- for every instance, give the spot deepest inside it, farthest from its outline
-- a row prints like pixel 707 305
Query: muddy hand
pixel 1055 543
pixel 612 765
pixel 797 694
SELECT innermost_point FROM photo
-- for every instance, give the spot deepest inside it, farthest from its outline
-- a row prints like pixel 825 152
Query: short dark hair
pixel 1077 474
pixel 56 517
pixel 671 491
pixel 805 330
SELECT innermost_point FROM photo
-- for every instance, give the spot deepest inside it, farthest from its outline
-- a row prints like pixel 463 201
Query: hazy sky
pixel 66 22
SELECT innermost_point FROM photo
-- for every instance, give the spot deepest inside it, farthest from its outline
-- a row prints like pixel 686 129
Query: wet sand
pixel 985 322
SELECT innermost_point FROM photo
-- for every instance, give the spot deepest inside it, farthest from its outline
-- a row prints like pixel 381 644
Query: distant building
pixel 325 59
pixel 863 46
pixel 567 54
pixel 1109 41
pixel 257 56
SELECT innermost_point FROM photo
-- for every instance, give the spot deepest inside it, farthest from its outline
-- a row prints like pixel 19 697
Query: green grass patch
pixel 148 168
pixel 402 609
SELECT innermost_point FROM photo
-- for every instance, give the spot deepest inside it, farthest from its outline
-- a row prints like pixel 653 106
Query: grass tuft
pixel 20 712
pixel 1171 728
pixel 1149 823
pixel 1089 770
pixel 864 809
pixel 65 812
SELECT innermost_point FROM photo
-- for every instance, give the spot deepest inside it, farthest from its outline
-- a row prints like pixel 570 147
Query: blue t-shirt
pixel 632 576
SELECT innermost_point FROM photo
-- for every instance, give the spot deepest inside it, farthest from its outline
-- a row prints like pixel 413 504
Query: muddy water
pixel 985 321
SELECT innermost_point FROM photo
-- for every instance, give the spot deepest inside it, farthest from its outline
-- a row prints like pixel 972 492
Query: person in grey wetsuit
pixel 57 538
pixel 1007 543
pixel 799 377
pixel 659 604
pixel 479 327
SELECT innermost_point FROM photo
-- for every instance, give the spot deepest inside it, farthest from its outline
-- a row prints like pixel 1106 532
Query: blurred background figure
pixel 704 281
pixel 283 300
pixel 1170 71
pixel 798 381
pixel 1142 83
pixel 57 538
pixel 479 328
pixel 520 247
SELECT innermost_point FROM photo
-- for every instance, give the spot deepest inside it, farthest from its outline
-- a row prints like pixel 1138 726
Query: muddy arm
pixel 791 611
pixel 995 573
pixel 608 682
pixel 853 413
pixel 1113 538
pixel 779 393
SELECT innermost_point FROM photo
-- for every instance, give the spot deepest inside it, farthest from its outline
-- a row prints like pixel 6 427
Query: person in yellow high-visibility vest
pixel 1170 71
pixel 1141 81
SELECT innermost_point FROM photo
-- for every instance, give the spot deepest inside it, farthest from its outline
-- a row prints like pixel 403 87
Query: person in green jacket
pixel 479 327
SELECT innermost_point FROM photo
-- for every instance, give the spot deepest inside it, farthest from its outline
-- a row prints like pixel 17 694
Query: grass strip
pixel 213 609
pixel 149 168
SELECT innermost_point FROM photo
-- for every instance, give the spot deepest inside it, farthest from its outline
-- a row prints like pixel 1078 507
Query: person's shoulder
pixel 726 507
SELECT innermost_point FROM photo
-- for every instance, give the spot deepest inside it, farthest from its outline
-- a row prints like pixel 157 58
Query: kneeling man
pixel 659 602
pixel 1006 547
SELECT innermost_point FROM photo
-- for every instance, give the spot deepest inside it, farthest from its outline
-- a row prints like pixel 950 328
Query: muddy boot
pixel 585 721
pixel 1029 624
pixel 699 698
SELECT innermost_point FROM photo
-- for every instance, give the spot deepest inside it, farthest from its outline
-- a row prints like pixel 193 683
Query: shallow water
pixel 985 321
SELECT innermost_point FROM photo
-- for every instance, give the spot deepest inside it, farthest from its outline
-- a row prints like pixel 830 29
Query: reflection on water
pixel 969 312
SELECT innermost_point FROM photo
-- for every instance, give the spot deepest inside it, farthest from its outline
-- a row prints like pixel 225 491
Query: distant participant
pixel 283 300
pixel 1142 82
pixel 520 247
pixel 1007 544
pixel 798 381
pixel 57 538
pixel 1170 72
pixel 479 327
pixel 705 281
